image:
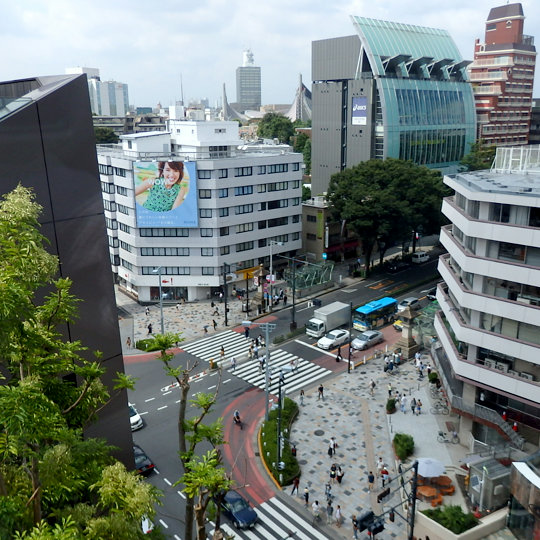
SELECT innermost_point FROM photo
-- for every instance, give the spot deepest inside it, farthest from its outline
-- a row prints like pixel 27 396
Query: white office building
pixel 489 323
pixel 240 206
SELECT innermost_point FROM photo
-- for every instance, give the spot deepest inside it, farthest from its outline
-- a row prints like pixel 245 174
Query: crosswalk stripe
pixel 276 516
pixel 285 510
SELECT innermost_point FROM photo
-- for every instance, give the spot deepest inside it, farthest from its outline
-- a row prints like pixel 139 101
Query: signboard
pixel 359 111
pixel 165 193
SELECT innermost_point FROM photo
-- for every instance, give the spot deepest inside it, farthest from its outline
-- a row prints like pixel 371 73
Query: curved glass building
pixel 392 90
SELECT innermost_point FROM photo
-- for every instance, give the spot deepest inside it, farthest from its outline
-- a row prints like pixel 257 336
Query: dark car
pixel 432 294
pixel 394 267
pixel 237 510
pixel 143 463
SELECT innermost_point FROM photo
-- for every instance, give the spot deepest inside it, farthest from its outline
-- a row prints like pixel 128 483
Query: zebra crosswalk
pixel 276 520
pixel 297 372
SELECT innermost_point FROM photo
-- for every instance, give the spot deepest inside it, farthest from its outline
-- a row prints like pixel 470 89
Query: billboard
pixel 165 193
pixel 359 111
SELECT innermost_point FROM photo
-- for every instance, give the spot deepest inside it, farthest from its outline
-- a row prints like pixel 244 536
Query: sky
pixel 153 45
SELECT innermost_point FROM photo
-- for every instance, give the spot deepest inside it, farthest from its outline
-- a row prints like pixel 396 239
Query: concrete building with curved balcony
pixel 489 324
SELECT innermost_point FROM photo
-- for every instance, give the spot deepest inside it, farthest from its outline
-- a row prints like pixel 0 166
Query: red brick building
pixel 502 75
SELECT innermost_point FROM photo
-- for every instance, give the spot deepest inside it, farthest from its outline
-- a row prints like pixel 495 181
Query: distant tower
pixel 248 83
pixel 502 76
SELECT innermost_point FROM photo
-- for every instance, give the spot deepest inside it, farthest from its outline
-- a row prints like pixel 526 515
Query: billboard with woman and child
pixel 165 193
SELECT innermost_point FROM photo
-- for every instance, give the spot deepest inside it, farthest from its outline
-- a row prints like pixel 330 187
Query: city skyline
pixel 210 38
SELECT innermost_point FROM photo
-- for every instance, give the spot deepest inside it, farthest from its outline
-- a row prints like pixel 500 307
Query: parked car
pixel 237 509
pixel 432 294
pixel 367 339
pixel 143 463
pixel 398 325
pixel 333 339
pixel 411 302
pixel 147 525
pixel 419 257
pixel 395 266
pixel 135 418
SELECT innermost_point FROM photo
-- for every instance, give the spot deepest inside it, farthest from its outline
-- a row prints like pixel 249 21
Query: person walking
pixel 256 351
pixel 295 484
pixel 329 511
pixel 222 353
pixel 284 300
pixel 216 312
pixel 128 342
pixel 372 387
pixel 246 332
pixel 250 352
pixel 413 405
pixel 149 328
pixel 380 466
pixel 371 481
pixel 418 408
pixel 214 324
pixel 333 445
pixel 339 475
pixel 316 510
pixel 302 397
pixel 333 471
pixel 233 363
pixel 338 516
pixel 354 527
pixel 321 392
pixel 306 497
pixel 403 404
pixel 147 311
pixel 389 390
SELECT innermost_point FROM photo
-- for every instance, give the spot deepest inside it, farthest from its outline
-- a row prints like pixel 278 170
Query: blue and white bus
pixel 374 313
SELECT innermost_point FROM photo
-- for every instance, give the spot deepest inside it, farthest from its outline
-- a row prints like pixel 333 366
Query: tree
pixel 299 142
pixel 386 201
pixel 105 135
pixel 307 157
pixel 306 193
pixel 480 157
pixel 47 469
pixel 274 126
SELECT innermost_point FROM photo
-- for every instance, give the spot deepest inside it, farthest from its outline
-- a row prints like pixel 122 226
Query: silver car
pixel 367 339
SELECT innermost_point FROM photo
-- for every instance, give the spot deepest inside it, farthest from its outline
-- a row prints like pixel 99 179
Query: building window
pixel 120 172
pixel 278 222
pixel 296 166
pixel 243 171
pixel 278 186
pixel 262 224
pixel 204 175
pixel 113 241
pixel 207 252
pixel 243 209
pixel 205 212
pixel 261 169
pixel 262 242
pixel 296 236
pixel 296 184
pixel 244 227
pixel 296 201
pixel 224 231
pixel 207 270
pixel 121 190
pixel 115 259
pixel 243 190
pixel 296 218
pixel 224 250
pixel 109 205
pixel 223 173
pixel 164 232
pixel 167 252
pixel 244 246
pixel 261 188
pixel 125 246
pixel 223 192
pixel 125 228
pixel 106 187
pixel 126 264
pixel 123 209
pixel 111 223
pixel 511 252
pixel 205 193
pixel 262 206
pixel 205 233
pixel 105 169
pixel 167 270
pixel 278 168
pixel 223 212
pixel 282 203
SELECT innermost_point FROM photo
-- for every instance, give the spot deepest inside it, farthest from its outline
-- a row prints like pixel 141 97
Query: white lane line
pixel 315 348
pixel 149 399
pixel 226 381
pixel 177 537
pixel 167 481
pixel 167 393
pixel 163 523
pixel 164 407
pixel 212 387
pixel 143 413
pixel 181 494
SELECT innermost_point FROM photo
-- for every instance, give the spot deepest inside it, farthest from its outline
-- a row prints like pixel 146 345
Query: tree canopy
pixel 53 482
pixel 385 201
pixel 275 126
pixel 480 157
pixel 105 135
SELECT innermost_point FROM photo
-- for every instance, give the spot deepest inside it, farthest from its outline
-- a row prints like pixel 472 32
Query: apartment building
pixel 489 323
pixel 243 202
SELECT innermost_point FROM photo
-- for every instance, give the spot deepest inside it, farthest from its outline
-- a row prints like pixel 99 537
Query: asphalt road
pixel 158 403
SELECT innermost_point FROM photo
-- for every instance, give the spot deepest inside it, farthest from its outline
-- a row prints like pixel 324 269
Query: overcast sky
pixel 151 44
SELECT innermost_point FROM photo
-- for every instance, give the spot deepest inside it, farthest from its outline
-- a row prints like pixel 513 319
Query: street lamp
pixel 272 243
pixel 158 270
pixel 281 381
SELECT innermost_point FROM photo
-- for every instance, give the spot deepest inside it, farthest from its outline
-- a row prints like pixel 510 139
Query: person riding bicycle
pixel 236 417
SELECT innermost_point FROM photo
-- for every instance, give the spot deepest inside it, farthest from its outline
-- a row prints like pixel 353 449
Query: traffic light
pixel 383 494
pixel 392 516
pixel 364 520
pixel 375 527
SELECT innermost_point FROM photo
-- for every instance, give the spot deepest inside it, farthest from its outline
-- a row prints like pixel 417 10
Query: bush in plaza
pixel 268 439
pixel 147 345
pixel 403 445
pixel 433 378
pixel 452 518
pixel 391 406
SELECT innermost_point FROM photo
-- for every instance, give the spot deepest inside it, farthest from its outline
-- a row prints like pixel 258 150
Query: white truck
pixel 328 318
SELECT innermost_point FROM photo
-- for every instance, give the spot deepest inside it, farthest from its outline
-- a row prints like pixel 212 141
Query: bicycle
pixel 439 408
pixel 442 438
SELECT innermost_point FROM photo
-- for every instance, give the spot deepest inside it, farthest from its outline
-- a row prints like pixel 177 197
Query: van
pixel 420 257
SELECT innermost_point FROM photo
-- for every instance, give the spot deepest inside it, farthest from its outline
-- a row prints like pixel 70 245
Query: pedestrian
pixel 329 511
pixel 302 397
pixel 354 527
pixel 295 484
pixel 321 392
pixel 403 404
pixel 417 357
pixel 330 451
pixel 413 405
pixel 128 342
pixel 371 481
pixel 246 332
pixel 261 360
pixel 222 353
pixel 205 328
pixel 338 516
pixel 221 298
pixel 214 324
pixel 306 497
pixel 333 471
pixel 385 475
pixel 233 363
pixel 339 357
pixel 372 386
pixel 216 312
pixel 256 350
pixel 284 300
pixel 250 352
pixel 177 307
pixel 380 465
pixel 316 509
pixel 389 390
pixel 333 445
pixel 339 475
pixel 149 328
pixel 418 407
pixel 147 311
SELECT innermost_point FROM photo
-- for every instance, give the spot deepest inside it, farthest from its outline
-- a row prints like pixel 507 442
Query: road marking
pixel 164 407
pixel 181 494
pixel 213 386
pixel 149 399
pixel 315 348
pixel 163 523
pixel 165 480
pixel 167 393
pixel 226 381
pixel 348 290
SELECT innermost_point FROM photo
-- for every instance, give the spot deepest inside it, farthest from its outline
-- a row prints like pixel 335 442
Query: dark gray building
pixel 47 144
pixel 248 84
pixel 391 90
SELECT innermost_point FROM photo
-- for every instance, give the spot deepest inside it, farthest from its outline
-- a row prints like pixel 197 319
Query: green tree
pixel 299 142
pixel 385 201
pixel 47 469
pixel 274 126
pixel 306 193
pixel 307 157
pixel 105 135
pixel 480 157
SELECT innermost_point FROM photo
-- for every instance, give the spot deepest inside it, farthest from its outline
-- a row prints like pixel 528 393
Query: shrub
pixel 452 518
pixel 147 345
pixel 391 405
pixel 433 377
pixel 403 445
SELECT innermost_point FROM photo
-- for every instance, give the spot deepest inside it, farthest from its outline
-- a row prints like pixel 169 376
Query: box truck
pixel 327 318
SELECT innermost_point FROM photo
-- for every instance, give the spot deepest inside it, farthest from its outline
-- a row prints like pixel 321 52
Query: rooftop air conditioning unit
pixel 490 363
pixel 527 376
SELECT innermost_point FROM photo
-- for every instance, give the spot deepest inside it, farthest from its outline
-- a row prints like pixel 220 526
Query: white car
pixel 135 418
pixel 366 339
pixel 333 339
pixel 411 302
pixel 419 257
